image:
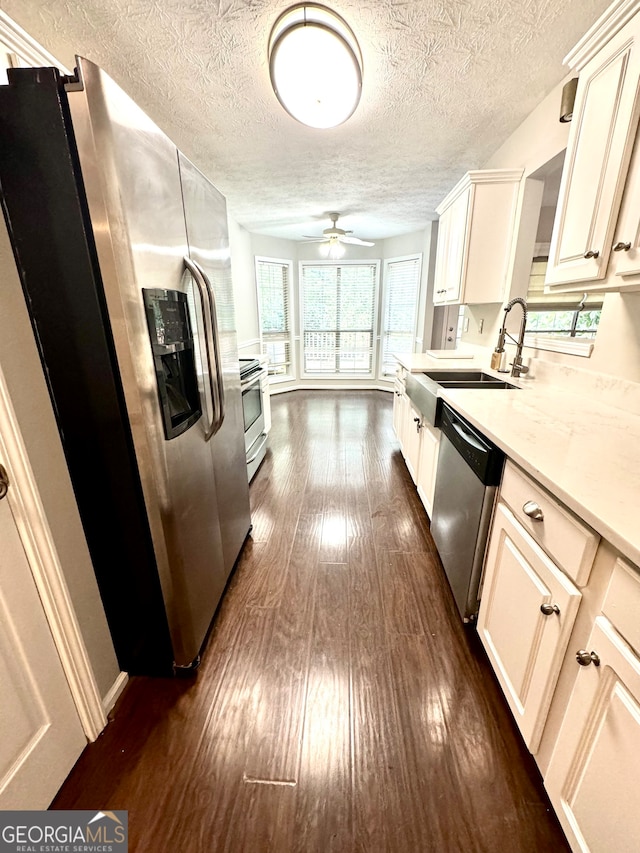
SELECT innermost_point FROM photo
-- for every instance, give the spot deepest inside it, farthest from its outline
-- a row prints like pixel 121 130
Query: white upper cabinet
pixel 475 238
pixel 601 138
pixel 625 261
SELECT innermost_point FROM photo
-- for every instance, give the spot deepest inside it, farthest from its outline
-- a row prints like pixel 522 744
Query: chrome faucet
pixel 517 367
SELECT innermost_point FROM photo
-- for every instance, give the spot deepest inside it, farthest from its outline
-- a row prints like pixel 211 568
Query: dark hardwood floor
pixel 341 705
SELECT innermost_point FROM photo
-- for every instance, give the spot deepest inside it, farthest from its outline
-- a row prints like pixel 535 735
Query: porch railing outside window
pixel 338 318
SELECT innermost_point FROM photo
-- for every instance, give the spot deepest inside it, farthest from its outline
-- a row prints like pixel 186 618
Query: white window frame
pixel 285 262
pixel 385 288
pixel 374 262
pixel 578 346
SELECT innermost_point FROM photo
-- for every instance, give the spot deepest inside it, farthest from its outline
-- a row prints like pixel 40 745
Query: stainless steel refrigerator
pixel 122 249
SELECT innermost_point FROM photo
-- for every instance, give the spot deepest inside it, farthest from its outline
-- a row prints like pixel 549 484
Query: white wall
pixel 30 399
pixel 617 345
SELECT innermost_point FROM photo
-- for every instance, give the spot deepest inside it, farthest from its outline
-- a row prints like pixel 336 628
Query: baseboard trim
pixel 114 692
pixel 276 389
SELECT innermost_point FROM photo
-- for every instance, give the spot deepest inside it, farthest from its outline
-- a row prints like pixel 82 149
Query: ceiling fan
pixel 335 235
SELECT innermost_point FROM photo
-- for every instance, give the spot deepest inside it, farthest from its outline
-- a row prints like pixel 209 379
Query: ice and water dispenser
pixel 174 358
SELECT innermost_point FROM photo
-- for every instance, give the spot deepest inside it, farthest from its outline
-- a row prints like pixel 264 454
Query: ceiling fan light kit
pixel 333 250
pixel 315 64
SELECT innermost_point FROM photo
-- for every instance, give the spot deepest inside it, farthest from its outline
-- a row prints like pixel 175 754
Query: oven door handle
pixel 253 380
pixel 209 339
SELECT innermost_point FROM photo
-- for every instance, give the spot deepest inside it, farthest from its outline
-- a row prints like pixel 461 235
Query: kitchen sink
pixel 422 388
pixel 467 379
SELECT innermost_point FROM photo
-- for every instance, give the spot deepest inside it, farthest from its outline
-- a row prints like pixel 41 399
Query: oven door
pixel 252 409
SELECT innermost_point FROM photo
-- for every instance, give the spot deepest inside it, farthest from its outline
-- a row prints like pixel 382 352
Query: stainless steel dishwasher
pixel 469 470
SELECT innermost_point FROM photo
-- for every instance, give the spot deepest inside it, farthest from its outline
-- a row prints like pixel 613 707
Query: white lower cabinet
pixel 413 428
pixel 419 442
pixel 400 404
pixel 266 401
pixel 527 610
pixel 593 777
pixel 427 465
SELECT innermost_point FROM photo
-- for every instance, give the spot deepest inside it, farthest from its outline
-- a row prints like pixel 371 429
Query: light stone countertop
pixel 417 362
pixel 583 451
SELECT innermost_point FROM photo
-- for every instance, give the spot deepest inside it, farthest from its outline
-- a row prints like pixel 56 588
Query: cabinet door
pixel 400 403
pixel 427 465
pixel 441 270
pixel 450 257
pixel 594 774
pixel 266 402
pixel 601 139
pixel 626 243
pixel 525 646
pixel 413 426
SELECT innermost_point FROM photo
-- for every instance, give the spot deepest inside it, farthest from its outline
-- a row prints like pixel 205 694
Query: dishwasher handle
pixel 467 437
pixel 481 455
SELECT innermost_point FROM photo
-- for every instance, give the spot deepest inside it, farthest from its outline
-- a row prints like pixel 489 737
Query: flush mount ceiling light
pixel 315 65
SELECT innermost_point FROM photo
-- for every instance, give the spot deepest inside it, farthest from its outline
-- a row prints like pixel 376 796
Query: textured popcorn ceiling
pixel 445 82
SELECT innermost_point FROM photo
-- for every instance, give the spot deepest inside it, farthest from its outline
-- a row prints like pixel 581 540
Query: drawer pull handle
pixel 591 254
pixel 549 609
pixel 533 510
pixel 584 658
pixel 418 423
pixel 622 247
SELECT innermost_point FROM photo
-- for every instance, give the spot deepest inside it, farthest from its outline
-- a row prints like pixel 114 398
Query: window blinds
pixel 272 279
pixel 402 288
pixel 338 318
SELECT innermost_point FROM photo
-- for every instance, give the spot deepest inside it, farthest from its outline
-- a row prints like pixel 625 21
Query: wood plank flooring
pixel 341 705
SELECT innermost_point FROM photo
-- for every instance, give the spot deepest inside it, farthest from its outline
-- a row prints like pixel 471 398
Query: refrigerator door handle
pixel 216 342
pixel 209 337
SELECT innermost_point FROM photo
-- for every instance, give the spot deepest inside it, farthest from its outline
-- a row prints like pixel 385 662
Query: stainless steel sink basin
pixel 441 376
pixel 467 379
pixel 498 383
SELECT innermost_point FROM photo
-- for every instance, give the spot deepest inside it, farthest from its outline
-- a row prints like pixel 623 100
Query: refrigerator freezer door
pixel 132 180
pixel 207 234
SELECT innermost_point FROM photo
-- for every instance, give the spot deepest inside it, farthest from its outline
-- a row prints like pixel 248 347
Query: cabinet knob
pixel 549 609
pixel 4 482
pixel 591 254
pixel 533 510
pixel 584 658
pixel 622 247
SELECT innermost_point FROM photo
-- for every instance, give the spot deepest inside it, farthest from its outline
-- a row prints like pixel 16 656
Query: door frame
pixel 42 556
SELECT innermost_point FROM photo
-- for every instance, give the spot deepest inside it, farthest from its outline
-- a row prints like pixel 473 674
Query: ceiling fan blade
pixel 355 241
pixel 309 239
